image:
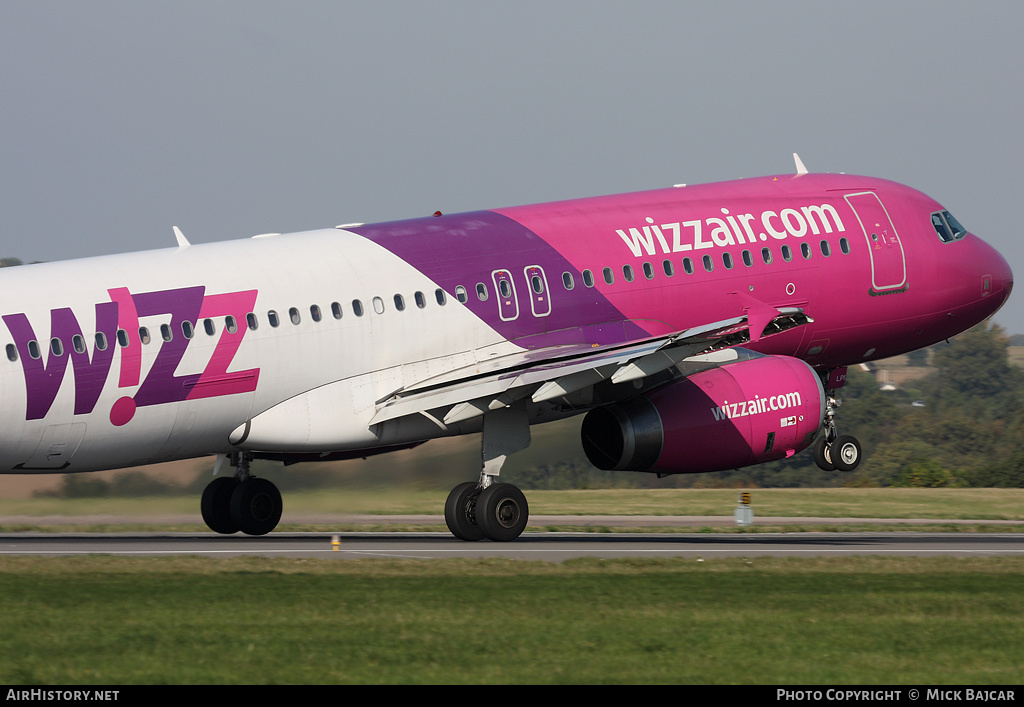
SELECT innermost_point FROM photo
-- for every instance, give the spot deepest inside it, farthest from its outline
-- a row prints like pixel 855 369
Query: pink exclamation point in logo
pixel 123 409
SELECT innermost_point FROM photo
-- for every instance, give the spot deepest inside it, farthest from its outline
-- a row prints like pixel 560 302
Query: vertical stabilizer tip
pixel 800 169
pixel 182 241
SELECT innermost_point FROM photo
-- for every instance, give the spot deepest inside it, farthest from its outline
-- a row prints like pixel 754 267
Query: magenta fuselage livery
pixel 699 327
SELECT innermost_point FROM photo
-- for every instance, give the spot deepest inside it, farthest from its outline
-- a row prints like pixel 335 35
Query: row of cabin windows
pixel 708 262
pixel 231 325
pixel 505 289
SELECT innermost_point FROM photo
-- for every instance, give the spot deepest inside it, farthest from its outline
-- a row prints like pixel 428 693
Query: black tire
pixel 256 506
pixel 216 505
pixel 845 453
pixel 460 512
pixel 502 512
pixel 822 455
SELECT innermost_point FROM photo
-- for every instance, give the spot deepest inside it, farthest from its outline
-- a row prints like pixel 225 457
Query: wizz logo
pixel 118 321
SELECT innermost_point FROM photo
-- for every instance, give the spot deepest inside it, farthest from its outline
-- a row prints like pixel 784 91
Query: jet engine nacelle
pixel 735 415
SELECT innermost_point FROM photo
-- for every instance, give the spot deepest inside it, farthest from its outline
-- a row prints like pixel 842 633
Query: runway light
pixel 335 543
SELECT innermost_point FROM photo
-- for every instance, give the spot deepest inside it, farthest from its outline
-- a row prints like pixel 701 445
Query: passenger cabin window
pixel 78 343
pixel 709 264
pixel 440 296
pixel 378 305
pixel 609 276
pixel 748 259
pixel 588 278
pixel 400 303
pixel 186 330
pixel 844 246
pixel 56 347
pixel 688 266
pixel 826 249
pixel 315 313
pixel 460 294
pixel 947 228
pixel 33 349
pixel 251 322
pixel 787 253
pixel 207 325
pixel 122 341
pixel 805 250
pixel 481 291
pixel 627 272
pixel 230 324
pixel 669 268
pixel 101 341
pixel 293 315
pixel 648 271
pixel 727 260
pixel 144 334
pixel 165 332
pixel 273 319
pixel 357 308
pixel 12 352
pixel 566 281
pixel 336 309
pixel 421 300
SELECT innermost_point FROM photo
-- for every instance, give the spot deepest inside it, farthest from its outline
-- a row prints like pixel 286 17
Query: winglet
pixel 182 241
pixel 800 169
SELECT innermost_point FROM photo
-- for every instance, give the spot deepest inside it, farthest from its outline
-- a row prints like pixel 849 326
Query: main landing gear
pixel 487 508
pixel 834 451
pixel 241 502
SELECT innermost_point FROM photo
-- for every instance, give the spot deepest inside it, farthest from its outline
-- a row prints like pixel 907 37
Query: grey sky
pixel 119 120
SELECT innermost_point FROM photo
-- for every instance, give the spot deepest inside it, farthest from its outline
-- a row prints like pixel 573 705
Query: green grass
pixel 114 621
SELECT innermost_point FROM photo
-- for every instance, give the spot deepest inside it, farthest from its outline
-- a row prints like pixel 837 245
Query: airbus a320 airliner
pixel 699 328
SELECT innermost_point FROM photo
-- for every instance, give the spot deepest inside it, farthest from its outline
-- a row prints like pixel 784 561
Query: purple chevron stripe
pixel 466 249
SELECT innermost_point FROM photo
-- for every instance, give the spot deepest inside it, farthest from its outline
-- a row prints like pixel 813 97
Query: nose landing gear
pixel 832 451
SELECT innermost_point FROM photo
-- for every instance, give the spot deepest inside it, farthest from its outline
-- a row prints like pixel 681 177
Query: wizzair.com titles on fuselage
pixel 730 230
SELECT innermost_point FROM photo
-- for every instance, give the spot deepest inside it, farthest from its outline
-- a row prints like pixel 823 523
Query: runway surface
pixel 550 547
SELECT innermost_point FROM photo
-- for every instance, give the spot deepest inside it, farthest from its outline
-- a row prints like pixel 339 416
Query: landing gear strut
pixel 489 509
pixel 241 502
pixel 833 451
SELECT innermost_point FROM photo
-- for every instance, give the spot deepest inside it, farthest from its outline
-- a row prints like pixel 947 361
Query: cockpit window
pixel 947 227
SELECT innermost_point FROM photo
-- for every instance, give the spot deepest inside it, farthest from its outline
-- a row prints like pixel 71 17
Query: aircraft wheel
pixel 502 512
pixel 460 512
pixel 216 505
pixel 822 455
pixel 256 506
pixel 845 452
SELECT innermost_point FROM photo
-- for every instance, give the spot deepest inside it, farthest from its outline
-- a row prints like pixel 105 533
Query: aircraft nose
pixel 998 283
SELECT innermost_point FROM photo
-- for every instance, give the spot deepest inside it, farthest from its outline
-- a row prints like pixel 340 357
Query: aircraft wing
pixel 552 372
